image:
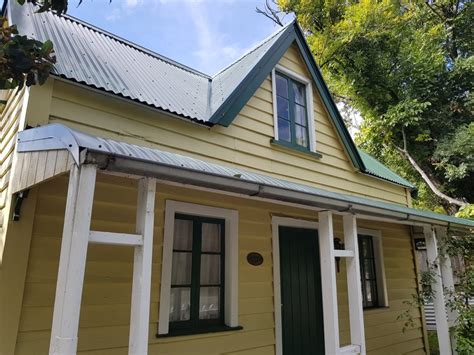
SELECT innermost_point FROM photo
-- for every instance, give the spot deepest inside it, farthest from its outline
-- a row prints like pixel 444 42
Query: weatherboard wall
pixel 9 125
pixel 245 143
pixel 105 313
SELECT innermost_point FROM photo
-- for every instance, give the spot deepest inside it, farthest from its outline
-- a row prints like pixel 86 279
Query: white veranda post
pixel 447 277
pixel 435 265
pixel 142 264
pixel 329 288
pixel 356 313
pixel 76 237
pixel 72 261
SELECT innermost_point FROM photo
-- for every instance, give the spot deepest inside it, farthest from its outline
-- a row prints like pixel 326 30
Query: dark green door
pixel 302 311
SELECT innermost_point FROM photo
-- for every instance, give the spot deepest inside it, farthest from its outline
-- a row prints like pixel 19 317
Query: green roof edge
pixel 228 111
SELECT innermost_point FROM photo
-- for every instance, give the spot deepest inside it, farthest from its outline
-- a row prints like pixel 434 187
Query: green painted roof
pixel 376 168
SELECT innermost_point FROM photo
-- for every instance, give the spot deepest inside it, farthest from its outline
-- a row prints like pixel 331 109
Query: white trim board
pixel 276 223
pixel 309 103
pixel 231 218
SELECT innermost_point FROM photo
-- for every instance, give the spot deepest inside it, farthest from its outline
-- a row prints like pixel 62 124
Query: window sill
pixel 182 332
pixel 294 148
pixel 375 309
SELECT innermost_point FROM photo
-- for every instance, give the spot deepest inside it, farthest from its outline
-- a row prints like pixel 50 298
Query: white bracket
pixel 350 349
pixel 344 253
pixel 134 240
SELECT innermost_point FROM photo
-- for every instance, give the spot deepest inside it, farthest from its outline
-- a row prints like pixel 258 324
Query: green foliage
pixel 458 299
pixel 402 65
pixel 58 6
pixel 467 211
pixel 23 60
pixel 454 154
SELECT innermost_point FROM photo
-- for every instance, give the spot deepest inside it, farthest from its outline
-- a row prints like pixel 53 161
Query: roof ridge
pixel 133 45
pixel 254 48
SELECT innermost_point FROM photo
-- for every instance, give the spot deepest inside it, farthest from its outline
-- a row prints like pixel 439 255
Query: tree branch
pixel 404 152
pixel 271 13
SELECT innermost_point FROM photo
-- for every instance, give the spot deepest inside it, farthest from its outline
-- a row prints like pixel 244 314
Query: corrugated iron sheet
pixel 227 80
pixel 96 58
pixel 101 60
pixel 376 168
pixel 34 139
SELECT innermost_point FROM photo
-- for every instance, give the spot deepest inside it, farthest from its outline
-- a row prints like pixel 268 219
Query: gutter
pixel 236 185
pixel 129 159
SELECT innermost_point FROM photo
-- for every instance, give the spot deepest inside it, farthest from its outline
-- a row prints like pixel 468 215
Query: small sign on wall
pixel 255 259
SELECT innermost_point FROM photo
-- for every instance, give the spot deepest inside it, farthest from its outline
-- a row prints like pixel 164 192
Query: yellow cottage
pixel 148 208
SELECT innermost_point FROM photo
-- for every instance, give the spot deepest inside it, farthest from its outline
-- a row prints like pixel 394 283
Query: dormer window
pixel 293 111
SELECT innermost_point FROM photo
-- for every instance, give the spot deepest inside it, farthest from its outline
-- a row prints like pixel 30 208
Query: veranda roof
pixel 128 158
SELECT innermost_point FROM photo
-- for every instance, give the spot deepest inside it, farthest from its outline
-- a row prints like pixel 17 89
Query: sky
pixel 206 35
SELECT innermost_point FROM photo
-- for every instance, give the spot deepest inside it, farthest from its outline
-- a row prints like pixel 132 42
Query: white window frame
pixel 276 223
pixel 231 218
pixel 309 102
pixel 379 265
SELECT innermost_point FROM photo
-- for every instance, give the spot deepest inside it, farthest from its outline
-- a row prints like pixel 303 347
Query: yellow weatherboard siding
pixel 9 123
pixel 105 313
pixel 245 143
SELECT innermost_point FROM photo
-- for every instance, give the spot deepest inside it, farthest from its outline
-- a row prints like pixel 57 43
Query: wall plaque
pixel 255 259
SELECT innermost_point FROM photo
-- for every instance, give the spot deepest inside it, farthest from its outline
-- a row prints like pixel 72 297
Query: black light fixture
pixel 18 202
pixel 338 245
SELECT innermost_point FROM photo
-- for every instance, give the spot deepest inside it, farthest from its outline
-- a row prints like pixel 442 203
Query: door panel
pixel 302 312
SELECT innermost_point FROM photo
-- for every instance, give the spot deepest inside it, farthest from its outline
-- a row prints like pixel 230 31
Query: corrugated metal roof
pixel 57 136
pixel 94 57
pixel 376 168
pixel 227 80
pixel 101 60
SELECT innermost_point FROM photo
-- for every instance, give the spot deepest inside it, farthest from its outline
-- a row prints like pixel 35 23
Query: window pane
pixel 283 107
pixel 368 292
pixel 281 86
pixel 183 234
pixel 210 269
pixel 301 136
pixel 300 115
pixel 284 133
pixel 211 237
pixel 209 303
pixel 363 247
pixel 180 304
pixel 368 268
pixel 181 269
pixel 299 92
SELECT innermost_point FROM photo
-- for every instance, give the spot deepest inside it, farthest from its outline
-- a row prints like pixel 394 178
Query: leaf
pixel 47 47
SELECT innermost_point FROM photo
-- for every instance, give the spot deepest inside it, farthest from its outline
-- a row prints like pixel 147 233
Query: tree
pixel 408 68
pixel 23 60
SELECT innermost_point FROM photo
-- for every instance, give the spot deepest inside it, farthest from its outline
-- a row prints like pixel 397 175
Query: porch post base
pixel 63 346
